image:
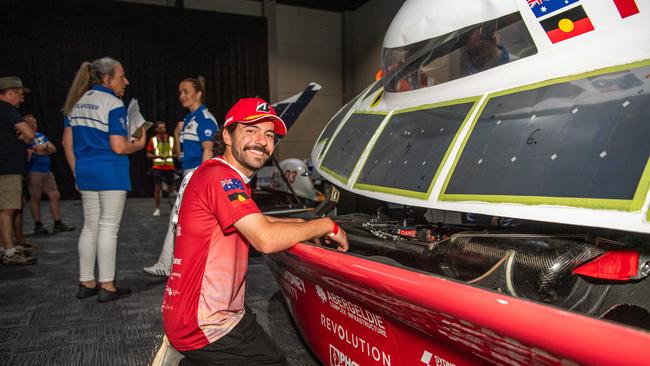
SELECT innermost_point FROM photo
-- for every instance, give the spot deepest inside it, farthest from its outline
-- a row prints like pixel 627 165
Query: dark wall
pixel 44 43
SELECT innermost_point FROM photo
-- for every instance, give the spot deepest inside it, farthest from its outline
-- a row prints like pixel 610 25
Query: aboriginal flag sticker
pixel 567 24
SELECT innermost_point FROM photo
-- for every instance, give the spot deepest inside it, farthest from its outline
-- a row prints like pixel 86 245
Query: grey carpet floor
pixel 43 323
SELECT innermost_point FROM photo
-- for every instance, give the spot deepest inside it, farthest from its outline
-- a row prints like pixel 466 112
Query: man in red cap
pixel 203 308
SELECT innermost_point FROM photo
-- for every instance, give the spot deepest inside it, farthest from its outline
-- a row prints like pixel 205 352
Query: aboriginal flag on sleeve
pixel 567 24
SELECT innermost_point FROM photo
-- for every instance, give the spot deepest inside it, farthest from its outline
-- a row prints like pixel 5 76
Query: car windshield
pixel 466 51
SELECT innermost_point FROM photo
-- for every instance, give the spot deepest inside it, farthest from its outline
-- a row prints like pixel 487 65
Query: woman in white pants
pixel 195 135
pixel 96 145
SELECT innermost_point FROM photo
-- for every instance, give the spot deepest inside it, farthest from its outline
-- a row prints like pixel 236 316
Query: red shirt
pixel 204 297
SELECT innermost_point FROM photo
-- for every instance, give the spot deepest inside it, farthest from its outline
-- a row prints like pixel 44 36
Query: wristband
pixel 335 230
pixel 38 140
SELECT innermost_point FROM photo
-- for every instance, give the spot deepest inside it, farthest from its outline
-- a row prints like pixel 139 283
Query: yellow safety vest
pixel 164 150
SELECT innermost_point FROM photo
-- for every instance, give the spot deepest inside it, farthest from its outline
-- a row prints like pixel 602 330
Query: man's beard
pixel 252 164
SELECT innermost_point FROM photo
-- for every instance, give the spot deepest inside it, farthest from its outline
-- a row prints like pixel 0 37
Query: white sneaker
pixel 157 270
pixel 157 212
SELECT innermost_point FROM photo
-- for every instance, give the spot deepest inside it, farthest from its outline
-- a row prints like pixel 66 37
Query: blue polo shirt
pixel 96 116
pixel 199 126
pixel 39 163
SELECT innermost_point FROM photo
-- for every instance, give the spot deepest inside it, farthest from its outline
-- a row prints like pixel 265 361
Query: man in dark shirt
pixel 15 135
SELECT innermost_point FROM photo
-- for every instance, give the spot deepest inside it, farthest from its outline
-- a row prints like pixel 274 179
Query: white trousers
pixel 98 240
pixel 165 258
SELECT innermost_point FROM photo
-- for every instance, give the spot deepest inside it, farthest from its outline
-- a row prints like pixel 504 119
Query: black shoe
pixel 40 230
pixel 106 296
pixel 86 292
pixel 61 227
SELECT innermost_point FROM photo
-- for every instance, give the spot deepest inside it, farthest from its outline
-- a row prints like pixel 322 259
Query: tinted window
pixel 460 53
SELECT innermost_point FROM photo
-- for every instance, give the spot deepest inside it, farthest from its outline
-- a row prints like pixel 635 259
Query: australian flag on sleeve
pixel 544 7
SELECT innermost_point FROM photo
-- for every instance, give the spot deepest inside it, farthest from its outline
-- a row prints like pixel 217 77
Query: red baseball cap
pixel 251 110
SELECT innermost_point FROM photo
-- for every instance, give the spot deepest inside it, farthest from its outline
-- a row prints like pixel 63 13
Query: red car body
pixel 508 144
pixel 354 311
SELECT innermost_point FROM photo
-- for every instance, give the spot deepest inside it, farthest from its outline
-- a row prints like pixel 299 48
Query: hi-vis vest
pixel 163 149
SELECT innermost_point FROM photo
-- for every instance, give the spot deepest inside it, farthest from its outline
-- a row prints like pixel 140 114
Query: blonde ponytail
pixel 80 85
pixel 88 74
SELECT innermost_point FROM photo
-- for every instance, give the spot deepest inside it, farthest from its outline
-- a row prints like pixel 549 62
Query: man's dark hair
pixel 219 145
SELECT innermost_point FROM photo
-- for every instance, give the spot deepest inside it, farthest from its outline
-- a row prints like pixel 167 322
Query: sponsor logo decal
pixel 263 107
pixel 321 293
pixel 353 311
pixel 439 361
pixel 292 284
pixel 178 261
pixel 294 280
pixel 208 132
pixel 360 344
pixel 338 358
pixel 254 116
pixel 171 292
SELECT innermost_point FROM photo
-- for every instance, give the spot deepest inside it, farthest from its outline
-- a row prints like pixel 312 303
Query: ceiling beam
pixel 330 5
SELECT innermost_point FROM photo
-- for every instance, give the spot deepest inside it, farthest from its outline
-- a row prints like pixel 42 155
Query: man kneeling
pixel 203 308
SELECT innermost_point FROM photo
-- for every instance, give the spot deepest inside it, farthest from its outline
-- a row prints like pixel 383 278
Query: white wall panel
pixel 308 49
pixel 298 65
pixel 308 27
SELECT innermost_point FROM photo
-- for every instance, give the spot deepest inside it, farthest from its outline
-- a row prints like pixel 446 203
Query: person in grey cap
pixel 15 137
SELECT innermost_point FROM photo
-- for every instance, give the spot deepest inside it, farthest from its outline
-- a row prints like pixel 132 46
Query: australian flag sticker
pixel 545 7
